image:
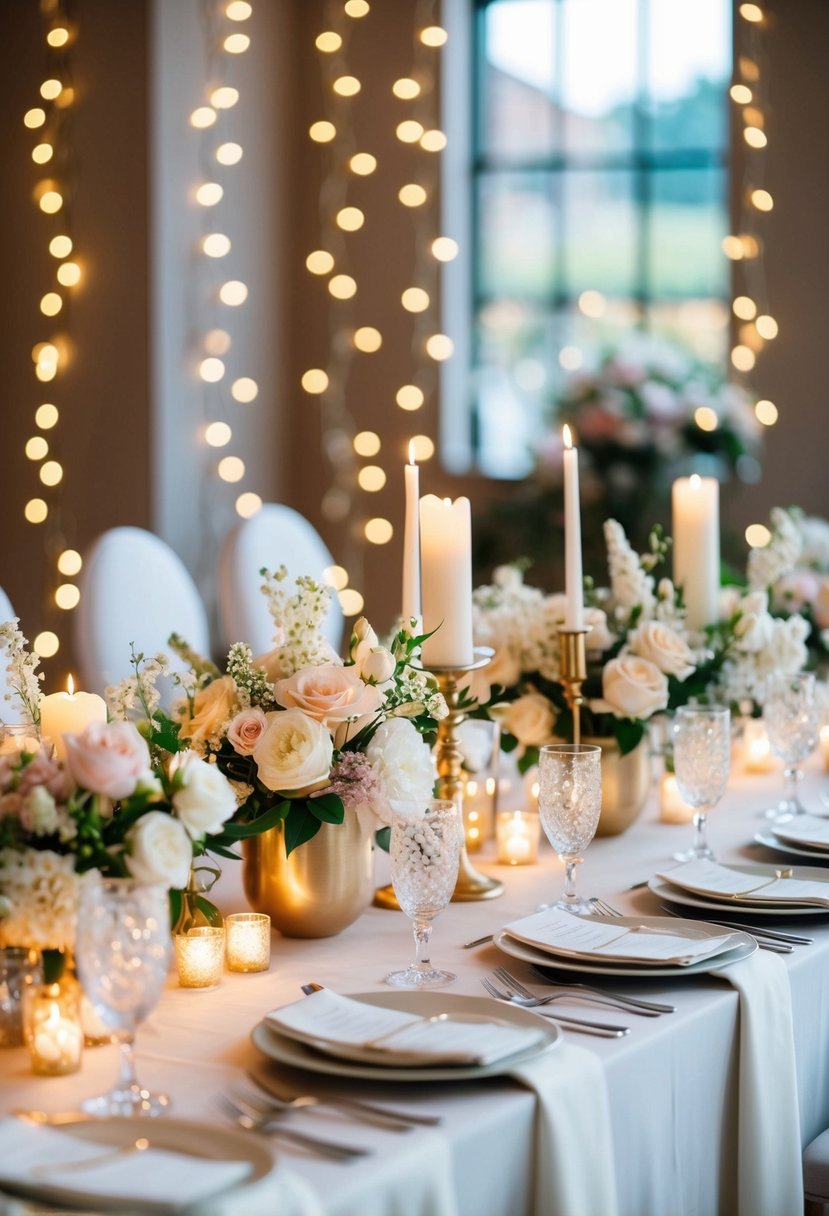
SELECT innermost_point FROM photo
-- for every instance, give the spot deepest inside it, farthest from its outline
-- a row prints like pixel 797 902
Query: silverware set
pixel 606 1030
pixel 773 940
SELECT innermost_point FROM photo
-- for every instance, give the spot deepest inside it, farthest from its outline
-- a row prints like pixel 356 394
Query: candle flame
pixel 567 436
pixel 412 452
pixel 70 686
pixel 696 480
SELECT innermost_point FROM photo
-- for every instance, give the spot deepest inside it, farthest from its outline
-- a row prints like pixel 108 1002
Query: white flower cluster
pixel 138 694
pixel 519 623
pixel 39 900
pixel 24 679
pixel 768 565
pixel 298 619
pixel 630 585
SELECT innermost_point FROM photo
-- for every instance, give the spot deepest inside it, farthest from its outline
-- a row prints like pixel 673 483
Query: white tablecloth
pixel 673 1083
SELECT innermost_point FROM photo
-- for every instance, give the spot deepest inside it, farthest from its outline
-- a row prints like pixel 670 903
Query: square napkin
pixel 710 879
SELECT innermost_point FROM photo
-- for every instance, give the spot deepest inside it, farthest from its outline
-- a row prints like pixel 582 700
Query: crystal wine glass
pixel 702 762
pixel 792 717
pixel 569 804
pixel 122 952
pixel 425 852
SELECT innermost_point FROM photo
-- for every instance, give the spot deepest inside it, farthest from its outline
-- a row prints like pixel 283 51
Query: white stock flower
pixel 403 763
pixel 160 850
pixel 205 799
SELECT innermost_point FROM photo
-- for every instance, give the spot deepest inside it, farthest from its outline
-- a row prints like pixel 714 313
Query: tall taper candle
pixel 695 503
pixel 573 578
pixel 411 542
pixel 446 555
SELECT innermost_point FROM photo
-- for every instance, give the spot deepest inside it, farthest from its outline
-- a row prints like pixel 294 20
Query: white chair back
pixel 10 711
pixel 275 536
pixel 134 589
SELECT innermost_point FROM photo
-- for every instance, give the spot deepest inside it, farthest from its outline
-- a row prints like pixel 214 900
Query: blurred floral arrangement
pixel 795 567
pixel 642 412
pixel 642 659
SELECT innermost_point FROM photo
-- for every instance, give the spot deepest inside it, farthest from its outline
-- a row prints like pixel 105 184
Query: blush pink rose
pixel 43 770
pixel 246 729
pixel 108 758
pixel 329 694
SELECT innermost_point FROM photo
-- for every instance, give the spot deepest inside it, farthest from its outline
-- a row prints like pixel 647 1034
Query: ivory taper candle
pixel 411 542
pixel 573 577
pixel 695 503
pixel 446 558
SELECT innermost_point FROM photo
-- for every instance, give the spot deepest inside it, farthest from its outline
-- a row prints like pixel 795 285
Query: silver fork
pixel 774 947
pixel 566 993
pixel 253 1120
pixel 398 1120
pixel 632 1001
pixel 605 1030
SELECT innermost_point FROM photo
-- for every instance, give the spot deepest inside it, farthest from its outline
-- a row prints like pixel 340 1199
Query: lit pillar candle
pixel 67 713
pixel 248 946
pixel 517 835
pixel 757 755
pixel 695 503
pixel 573 578
pixel 411 542
pixel 446 555
pixel 672 807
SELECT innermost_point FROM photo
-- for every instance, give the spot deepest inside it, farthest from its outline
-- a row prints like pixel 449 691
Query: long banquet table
pixel 672 1082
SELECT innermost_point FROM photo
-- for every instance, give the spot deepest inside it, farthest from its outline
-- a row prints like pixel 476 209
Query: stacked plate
pixel 641 946
pixel 403 1036
pixel 758 890
pixel 798 836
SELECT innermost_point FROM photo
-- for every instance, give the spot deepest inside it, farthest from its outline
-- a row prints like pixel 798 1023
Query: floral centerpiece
pixel 794 565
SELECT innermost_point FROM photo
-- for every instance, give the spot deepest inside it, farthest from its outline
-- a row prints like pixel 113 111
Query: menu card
pixel 560 932
pixel 331 1023
pixel 805 829
pixel 771 886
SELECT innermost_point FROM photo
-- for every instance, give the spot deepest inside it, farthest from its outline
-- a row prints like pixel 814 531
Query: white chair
pixel 134 589
pixel 275 536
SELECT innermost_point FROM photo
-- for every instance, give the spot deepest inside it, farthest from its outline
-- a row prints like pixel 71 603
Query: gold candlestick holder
pixel 574 672
pixel 470 884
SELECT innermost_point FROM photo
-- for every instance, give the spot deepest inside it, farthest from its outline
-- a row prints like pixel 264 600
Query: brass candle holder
pixel 574 672
pixel 470 884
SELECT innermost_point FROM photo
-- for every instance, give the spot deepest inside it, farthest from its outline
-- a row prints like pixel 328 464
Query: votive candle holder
pixel 200 956
pixel 517 834
pixel 672 807
pixel 248 944
pixel 53 1028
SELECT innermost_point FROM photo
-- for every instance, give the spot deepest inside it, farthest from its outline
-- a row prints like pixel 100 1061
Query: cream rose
pixel 328 693
pixel 246 729
pixel 634 687
pixel 294 752
pixel 530 718
pixel 107 758
pixel 205 798
pixel 403 763
pixel 160 850
pixel 664 647
pixel 378 666
pixel 212 707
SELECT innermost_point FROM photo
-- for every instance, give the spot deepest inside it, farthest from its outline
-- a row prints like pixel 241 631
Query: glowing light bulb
pixel 706 418
pixel 34 118
pixel 320 261
pixel 767 327
pixel 409 397
pixel 50 202
pixel 336 577
pixel 378 531
pixel 46 644
pixel 231 468
pixel 50 89
pixel 757 536
pixel 67 596
pixel 366 443
pixel 740 93
pixel 315 380
pixel 346 86
pixel 592 303
pixel 216 342
pixel 46 416
pixel 342 286
pixel 328 42
pixel 248 504
pixel 203 117
pixel 209 194
pixel 444 248
pixel 409 131
pixel 224 98
pixel 356 8
pixel 762 200
pixel 351 602
pixel 229 153
pixel 751 12
pixel 51 304
pixel 415 299
pixel 35 511
pixel 65 97
pixel 732 247
pixel 58 36
pixel 743 358
pixel 236 44
pixel 433 35
pixel 371 478
pixel 51 473
pixel 233 293
pixel 412 195
pixel 36 448
pixel 368 339
pixel 211 370
pixel 218 435
pixel 70 563
pixel 216 245
pixel 350 219
pixel 440 347
pixel 405 88
pixel 244 390
pixel 744 308
pixel 68 274
pixel 42 153
pixel 433 141
pixel 238 10
pixel 766 412
pixel 754 137
pixel 422 448
pixel 363 164
pixel 570 358
pixel 60 246
pixel 322 132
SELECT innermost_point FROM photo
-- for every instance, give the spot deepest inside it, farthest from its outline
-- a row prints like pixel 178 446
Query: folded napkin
pixel 45 1158
pixel 770 1174
pixel 574 1167
pixel 805 829
pixel 730 884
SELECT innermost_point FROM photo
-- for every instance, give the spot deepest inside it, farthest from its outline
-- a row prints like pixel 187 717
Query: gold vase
pixel 626 783
pixel 317 891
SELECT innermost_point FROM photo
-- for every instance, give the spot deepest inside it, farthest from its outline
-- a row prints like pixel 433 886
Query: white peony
pixel 634 687
pixel 160 850
pixel 403 763
pixel 295 752
pixel 205 799
pixel 664 647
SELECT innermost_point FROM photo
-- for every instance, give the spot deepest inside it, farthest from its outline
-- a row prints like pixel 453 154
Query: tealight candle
pixel 672 807
pixel 757 756
pixel 248 941
pixel 200 956
pixel 517 834
pixel 68 713
pixel 54 1030
pixel 824 745
pixel 478 808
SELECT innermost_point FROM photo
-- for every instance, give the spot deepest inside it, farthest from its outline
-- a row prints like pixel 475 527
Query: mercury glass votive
pixel 672 808
pixel 200 956
pixel 53 1027
pixel 248 945
pixel 757 754
pixel 517 834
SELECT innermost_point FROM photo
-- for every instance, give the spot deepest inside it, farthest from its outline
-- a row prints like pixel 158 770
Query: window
pixel 599 196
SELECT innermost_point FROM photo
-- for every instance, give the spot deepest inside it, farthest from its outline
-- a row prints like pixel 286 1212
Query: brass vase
pixel 626 783
pixel 317 891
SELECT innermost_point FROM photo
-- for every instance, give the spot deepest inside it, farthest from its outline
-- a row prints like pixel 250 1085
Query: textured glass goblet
pixel 569 804
pixel 792 717
pixel 702 762
pixel 425 851
pixel 122 951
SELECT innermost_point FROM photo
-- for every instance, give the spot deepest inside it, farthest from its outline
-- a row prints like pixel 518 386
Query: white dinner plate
pixel 690 929
pixel 744 946
pixel 201 1141
pixel 676 895
pixel 424 1004
pixel 770 841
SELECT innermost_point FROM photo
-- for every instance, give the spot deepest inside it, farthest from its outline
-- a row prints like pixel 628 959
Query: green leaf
pixel 327 807
pixel 221 851
pixel 383 838
pixel 629 734
pixel 176 898
pixel 208 910
pixel 508 742
pixel 300 826
pixel 254 827
pixel 527 761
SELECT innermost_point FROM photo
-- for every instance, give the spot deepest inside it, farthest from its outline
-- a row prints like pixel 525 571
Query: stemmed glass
pixel 425 852
pixel 702 762
pixel 792 717
pixel 569 804
pixel 122 952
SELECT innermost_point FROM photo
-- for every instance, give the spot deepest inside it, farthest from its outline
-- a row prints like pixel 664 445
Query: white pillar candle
pixel 573 578
pixel 517 834
pixel 67 713
pixel 695 505
pixel 411 543
pixel 757 757
pixel 446 555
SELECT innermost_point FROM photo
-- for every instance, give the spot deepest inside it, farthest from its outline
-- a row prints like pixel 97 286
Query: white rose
pixel 160 850
pixel 664 647
pixel 599 637
pixel 205 799
pixel 403 763
pixel 378 666
pixel 634 687
pixel 530 718
pixel 294 752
